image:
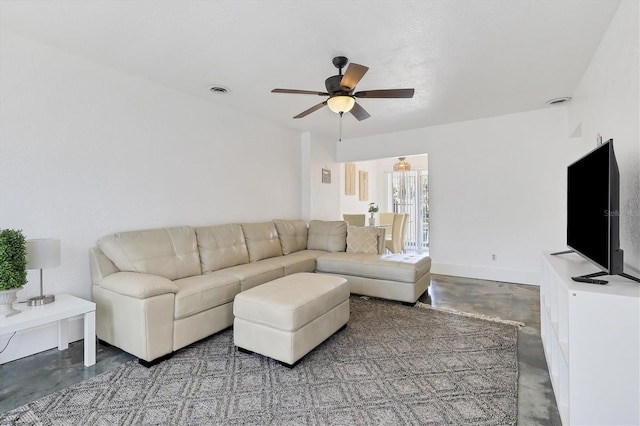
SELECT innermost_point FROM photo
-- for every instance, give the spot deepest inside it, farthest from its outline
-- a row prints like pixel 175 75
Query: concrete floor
pixel 536 400
pixel 33 377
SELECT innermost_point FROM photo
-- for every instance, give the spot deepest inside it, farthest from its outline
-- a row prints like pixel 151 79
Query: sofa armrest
pixel 138 285
pixel 101 265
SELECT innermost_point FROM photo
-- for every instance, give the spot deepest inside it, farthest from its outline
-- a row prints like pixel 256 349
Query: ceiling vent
pixel 559 101
pixel 218 89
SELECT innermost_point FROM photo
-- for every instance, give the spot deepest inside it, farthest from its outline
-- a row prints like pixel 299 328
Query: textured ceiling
pixel 466 59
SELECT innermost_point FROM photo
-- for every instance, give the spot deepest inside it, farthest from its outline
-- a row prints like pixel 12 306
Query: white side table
pixel 64 307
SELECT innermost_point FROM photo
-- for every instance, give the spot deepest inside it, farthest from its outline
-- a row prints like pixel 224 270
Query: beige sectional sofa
pixel 159 290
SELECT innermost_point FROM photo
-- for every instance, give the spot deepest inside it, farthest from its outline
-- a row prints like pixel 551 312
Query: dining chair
pixel 394 241
pixel 386 222
pixel 403 232
pixel 355 219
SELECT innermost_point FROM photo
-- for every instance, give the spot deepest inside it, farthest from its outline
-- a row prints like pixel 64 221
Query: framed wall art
pixel 349 178
pixel 364 186
pixel 326 176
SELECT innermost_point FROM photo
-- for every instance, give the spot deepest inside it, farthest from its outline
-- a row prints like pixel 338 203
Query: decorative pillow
pixel 221 246
pixel 327 235
pixel 293 235
pixel 361 239
pixel 262 240
pixel 168 252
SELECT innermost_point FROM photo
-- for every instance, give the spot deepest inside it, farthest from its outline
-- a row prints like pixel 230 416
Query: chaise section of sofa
pixel 402 277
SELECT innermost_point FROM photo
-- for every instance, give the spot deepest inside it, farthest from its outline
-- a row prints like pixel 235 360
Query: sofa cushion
pixel 300 261
pixel 168 252
pixel 221 246
pixel 262 240
pixel 292 234
pixel 362 239
pixel 253 274
pixel 327 235
pixel 202 292
pixel 407 268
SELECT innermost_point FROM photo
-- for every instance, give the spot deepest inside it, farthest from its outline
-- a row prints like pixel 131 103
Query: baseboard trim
pixel 517 276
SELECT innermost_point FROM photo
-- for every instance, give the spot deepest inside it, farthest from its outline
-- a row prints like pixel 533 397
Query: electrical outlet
pixel 494 257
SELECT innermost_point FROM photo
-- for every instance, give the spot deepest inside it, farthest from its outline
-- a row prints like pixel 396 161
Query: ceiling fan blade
pixel 310 110
pixel 359 112
pixel 353 75
pixel 299 92
pixel 387 93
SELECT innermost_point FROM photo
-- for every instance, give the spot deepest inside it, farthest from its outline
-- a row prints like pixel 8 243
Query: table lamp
pixel 42 253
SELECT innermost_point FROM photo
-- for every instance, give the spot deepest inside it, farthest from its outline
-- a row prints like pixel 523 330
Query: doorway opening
pixel 408 193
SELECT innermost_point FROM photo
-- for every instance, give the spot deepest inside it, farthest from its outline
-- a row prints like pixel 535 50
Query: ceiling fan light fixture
pixel 341 103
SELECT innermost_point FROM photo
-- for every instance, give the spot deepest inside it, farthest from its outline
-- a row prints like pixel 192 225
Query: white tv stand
pixel 591 339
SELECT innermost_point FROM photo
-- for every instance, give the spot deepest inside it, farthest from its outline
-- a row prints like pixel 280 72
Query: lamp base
pixel 41 300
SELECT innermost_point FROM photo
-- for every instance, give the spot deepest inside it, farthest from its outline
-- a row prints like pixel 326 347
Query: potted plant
pixel 373 208
pixel 13 268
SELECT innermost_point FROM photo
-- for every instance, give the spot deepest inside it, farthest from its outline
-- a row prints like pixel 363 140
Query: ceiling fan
pixel 340 89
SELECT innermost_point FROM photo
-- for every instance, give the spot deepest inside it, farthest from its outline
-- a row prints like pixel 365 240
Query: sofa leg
pixel 290 365
pixel 103 343
pixel 244 351
pixel 409 303
pixel 153 362
pixel 247 351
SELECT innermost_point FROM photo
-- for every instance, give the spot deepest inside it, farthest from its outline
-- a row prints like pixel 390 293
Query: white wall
pixel 606 102
pixel 86 150
pixel 497 185
pixel 324 198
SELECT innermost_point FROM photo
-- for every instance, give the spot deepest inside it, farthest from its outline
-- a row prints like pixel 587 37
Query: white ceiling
pixel 466 59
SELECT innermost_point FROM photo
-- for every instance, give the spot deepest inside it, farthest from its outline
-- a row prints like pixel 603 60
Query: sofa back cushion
pixel 327 235
pixel 168 252
pixel 362 239
pixel 262 240
pixel 292 234
pixel 221 246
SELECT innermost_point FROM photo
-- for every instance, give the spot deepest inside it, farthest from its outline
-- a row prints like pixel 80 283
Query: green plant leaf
pixel 13 259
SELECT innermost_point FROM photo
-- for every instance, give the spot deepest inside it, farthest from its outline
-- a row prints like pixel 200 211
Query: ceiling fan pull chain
pixel 340 128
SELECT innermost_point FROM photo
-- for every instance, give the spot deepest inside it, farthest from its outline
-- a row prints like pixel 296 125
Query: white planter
pixel 7 297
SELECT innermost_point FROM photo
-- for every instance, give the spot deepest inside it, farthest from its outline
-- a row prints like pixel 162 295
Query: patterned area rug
pixel 393 364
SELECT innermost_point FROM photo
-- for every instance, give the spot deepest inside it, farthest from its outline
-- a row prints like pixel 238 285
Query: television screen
pixel 593 208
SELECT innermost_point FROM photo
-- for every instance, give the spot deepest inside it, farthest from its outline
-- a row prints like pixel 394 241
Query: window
pixel 408 192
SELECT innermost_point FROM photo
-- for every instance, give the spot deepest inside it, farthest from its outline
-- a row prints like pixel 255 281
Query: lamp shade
pixel 341 103
pixel 43 253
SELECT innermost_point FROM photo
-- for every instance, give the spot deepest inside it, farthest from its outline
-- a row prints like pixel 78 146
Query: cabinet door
pixel 604 348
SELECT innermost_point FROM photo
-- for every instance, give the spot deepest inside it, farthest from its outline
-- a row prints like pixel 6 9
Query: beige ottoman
pixel 286 318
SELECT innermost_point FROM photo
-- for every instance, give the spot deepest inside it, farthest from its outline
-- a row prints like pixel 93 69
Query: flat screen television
pixel 593 212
